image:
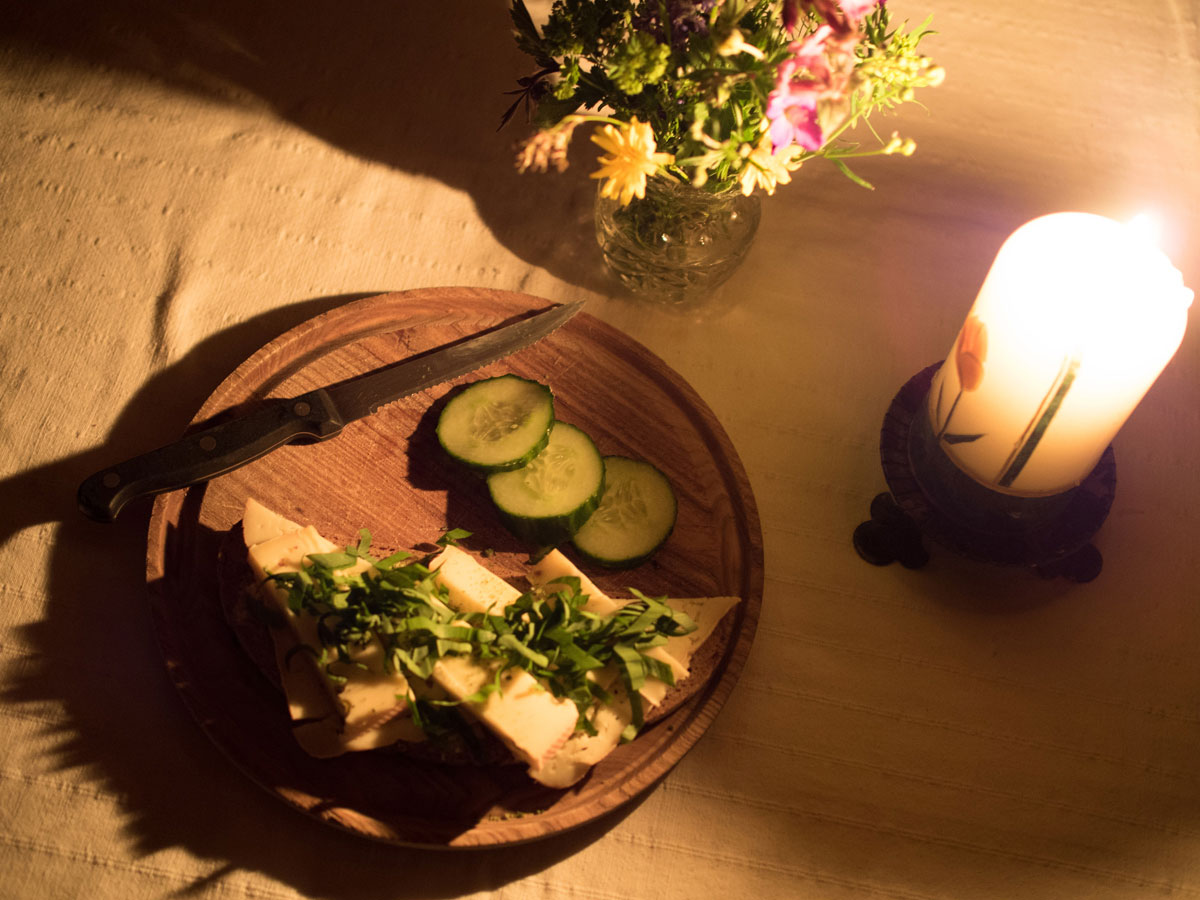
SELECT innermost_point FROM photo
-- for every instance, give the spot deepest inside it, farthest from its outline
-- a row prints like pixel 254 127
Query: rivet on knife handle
pixel 208 453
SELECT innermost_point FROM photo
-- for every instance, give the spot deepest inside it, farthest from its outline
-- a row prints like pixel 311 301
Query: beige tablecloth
pixel 182 181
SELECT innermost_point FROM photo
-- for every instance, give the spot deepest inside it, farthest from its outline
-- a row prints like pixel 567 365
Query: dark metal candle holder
pixel 931 497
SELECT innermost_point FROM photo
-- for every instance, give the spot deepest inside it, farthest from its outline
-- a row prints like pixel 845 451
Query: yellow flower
pixel 763 168
pixel 631 157
pixel 736 43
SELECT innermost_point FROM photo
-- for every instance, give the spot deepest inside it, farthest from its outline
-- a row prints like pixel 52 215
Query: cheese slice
pixel 261 524
pixel 370 709
pixel 531 721
pixel 707 613
pixel 471 586
pixel 581 751
pixel 554 565
pixel 677 652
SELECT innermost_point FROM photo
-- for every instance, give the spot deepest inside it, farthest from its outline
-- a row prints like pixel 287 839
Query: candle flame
pixel 1147 227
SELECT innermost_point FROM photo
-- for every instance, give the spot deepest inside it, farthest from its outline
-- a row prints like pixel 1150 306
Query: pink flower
pixel 859 9
pixel 792 113
pixel 843 15
pixel 791 15
pixel 808 55
pixel 792 106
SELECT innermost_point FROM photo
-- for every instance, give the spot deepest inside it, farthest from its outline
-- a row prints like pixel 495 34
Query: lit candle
pixel 1076 319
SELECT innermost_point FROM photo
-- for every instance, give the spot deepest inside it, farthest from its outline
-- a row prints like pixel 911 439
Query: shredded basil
pixel 399 604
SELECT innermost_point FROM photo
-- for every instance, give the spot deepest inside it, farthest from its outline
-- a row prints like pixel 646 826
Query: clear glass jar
pixel 678 243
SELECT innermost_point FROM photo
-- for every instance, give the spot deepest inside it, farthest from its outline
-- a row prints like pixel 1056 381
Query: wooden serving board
pixel 387 473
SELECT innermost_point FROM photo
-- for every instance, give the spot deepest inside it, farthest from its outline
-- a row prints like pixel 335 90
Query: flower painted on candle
pixel 970 353
pixel 632 155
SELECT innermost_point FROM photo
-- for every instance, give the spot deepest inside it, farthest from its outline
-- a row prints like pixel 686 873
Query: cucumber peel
pixel 547 500
pixel 547 480
pixel 497 424
pixel 635 517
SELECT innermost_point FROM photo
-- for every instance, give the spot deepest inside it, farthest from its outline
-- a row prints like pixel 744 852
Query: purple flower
pixel 684 18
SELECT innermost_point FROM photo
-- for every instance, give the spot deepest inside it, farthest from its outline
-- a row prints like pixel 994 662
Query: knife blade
pixel 320 414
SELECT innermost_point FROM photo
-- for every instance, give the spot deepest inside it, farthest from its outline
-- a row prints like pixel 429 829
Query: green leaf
pixel 845 170
pixel 390 561
pixel 364 544
pixel 510 642
pixel 528 39
pixel 656 668
pixel 637 63
pixel 336 560
pixel 633 666
pixel 452 537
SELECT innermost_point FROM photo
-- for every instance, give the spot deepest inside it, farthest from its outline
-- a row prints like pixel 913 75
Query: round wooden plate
pixel 386 473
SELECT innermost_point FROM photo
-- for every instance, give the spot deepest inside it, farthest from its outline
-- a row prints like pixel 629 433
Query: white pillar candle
pixel 1077 317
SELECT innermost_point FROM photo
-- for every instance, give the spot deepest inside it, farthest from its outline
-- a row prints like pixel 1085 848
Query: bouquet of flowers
pixel 724 94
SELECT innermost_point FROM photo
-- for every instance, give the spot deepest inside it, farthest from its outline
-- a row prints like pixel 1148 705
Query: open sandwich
pixel 435 655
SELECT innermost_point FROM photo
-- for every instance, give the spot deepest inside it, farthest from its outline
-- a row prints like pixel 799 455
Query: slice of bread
pixel 458 741
pixel 472 734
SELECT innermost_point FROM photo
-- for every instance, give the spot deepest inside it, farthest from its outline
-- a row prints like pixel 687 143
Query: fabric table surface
pixel 182 182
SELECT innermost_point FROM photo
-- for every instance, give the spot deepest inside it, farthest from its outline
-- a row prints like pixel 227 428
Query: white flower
pixel 763 168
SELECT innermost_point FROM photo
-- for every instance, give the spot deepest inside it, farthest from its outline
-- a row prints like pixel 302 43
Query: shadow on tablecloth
pixel 417 86
pixel 126 730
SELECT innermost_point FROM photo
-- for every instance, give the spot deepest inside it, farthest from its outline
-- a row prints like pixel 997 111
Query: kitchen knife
pixel 320 414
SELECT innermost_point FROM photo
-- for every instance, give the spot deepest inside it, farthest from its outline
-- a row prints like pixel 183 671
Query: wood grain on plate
pixel 387 474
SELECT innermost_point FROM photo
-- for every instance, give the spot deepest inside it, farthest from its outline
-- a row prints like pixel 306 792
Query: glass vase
pixel 679 242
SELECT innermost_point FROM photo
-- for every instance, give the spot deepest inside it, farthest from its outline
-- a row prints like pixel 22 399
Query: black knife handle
pixel 208 453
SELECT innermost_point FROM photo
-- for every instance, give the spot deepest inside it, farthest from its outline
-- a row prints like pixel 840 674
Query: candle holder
pixel 932 497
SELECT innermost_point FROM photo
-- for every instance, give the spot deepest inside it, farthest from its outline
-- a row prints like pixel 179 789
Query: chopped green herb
pixel 399 605
pixel 452 537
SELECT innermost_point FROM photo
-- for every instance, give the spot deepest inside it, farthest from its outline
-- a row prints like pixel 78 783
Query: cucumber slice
pixel 498 423
pixel 546 501
pixel 635 516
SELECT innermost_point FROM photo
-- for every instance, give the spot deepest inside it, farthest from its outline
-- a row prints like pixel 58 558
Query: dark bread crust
pixel 704 662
